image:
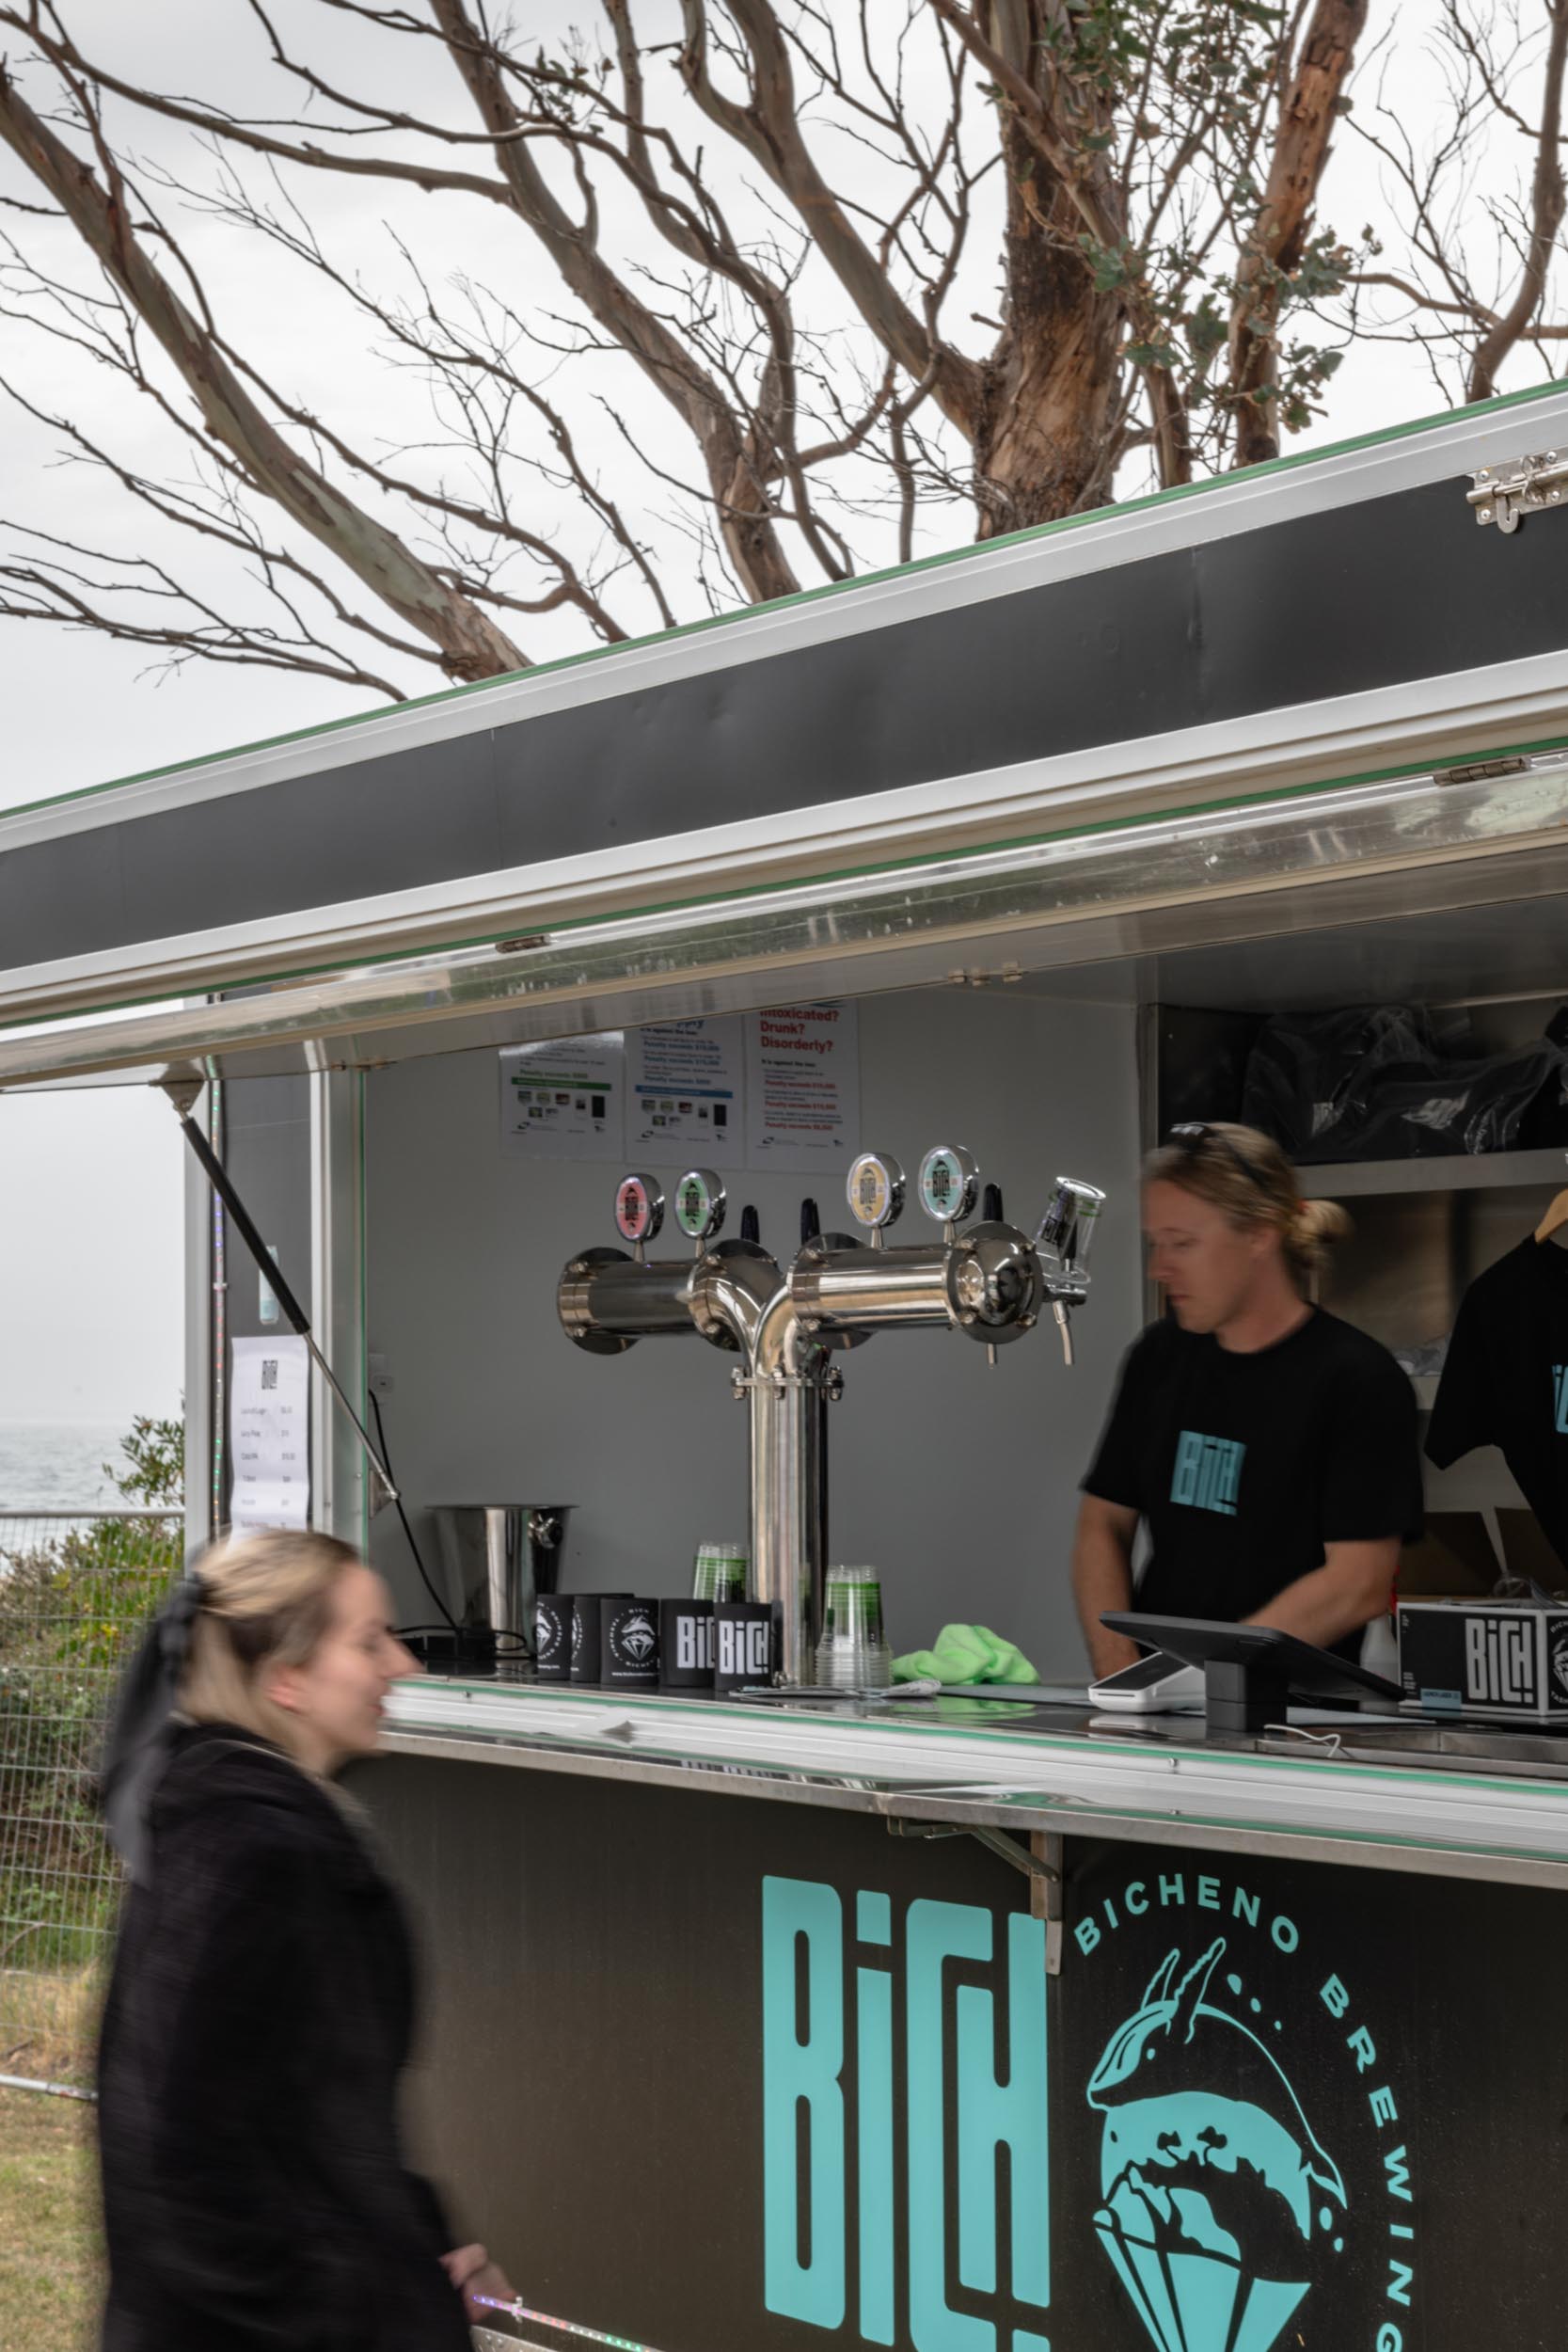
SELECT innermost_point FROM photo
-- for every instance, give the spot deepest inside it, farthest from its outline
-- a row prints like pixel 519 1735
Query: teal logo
pixel 964 2153
pixel 1211 2199
pixel 828 2139
pixel 1207 1472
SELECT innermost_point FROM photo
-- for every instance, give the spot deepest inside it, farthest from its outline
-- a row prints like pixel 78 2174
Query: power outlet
pixel 380 1373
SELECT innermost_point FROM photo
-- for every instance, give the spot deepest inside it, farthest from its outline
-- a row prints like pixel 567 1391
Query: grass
pixel 48 2027
pixel 50 2284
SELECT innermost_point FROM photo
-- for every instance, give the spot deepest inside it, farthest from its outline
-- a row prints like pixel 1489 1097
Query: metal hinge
pixel 1041 1859
pixel 1480 770
pixel 1505 494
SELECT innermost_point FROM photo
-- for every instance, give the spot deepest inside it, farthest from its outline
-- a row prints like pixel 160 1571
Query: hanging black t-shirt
pixel 1505 1382
pixel 1244 1465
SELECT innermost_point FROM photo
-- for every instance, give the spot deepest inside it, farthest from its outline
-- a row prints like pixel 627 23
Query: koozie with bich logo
pixel 685 1644
pixel 628 1645
pixel 552 1637
pixel 743 1643
pixel 587 1622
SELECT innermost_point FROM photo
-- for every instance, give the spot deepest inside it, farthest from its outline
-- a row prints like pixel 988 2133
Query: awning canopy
pixel 1195 718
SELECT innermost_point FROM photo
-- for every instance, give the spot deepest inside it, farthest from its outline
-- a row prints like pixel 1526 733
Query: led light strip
pixel 519 2310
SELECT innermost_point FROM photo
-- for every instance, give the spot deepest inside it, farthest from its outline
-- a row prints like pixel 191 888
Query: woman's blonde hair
pixel 266 1602
pixel 1248 1175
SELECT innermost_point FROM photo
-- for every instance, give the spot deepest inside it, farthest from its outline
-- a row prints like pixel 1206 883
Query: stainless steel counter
pixel 1443 1800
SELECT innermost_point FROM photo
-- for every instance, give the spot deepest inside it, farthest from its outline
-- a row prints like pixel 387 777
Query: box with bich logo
pixel 1504 1659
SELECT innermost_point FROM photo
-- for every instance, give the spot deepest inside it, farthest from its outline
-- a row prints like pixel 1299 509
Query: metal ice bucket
pixel 496 1558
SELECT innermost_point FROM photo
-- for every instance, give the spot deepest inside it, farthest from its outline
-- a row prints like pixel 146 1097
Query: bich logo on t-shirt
pixel 1207 1473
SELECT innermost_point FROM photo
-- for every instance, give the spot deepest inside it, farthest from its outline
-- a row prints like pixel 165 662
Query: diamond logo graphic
pixel 637 1638
pixel 1217 2195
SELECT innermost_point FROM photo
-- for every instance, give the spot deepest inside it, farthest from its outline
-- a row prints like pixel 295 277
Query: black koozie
pixel 743 1645
pixel 586 1621
pixel 628 1645
pixel 552 1637
pixel 685 1644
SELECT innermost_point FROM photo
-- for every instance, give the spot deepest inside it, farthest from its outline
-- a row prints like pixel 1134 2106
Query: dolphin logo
pixel 1214 2183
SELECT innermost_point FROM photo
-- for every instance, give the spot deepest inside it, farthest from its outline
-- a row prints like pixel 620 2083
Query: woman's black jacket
pixel 259 2011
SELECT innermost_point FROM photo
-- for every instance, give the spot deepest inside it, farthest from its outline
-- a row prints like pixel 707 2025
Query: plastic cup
pixel 853 1653
pixel 721 1572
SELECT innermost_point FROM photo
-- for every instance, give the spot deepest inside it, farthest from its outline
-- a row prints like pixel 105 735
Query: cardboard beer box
pixel 1506 1659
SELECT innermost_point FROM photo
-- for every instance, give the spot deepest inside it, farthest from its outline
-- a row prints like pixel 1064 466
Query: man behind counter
pixel 1269 1447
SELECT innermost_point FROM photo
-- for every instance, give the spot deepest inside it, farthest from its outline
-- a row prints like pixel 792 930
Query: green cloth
pixel 966 1653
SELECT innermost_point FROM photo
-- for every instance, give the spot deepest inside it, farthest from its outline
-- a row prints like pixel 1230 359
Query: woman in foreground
pixel 261 2004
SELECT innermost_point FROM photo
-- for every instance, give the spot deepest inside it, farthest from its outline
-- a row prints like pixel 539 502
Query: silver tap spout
pixel 986 1282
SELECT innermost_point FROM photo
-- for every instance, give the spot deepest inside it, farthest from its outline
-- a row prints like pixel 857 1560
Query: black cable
pixel 452 1621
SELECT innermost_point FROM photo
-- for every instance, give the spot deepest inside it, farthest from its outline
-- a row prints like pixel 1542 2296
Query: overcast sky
pixel 90 1197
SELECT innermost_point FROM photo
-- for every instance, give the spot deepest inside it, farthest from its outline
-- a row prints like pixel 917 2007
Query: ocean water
pixel 57 1465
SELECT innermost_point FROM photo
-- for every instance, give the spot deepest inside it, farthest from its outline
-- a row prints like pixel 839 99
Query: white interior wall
pixel 957 1481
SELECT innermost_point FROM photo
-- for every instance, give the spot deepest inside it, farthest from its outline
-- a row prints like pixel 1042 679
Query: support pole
pixel 183 1093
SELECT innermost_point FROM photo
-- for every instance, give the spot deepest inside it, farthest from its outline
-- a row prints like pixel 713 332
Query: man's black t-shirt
pixel 1505 1382
pixel 1246 1465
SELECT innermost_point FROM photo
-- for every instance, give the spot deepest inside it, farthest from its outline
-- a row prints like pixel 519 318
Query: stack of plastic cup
pixel 721 1572
pixel 853 1654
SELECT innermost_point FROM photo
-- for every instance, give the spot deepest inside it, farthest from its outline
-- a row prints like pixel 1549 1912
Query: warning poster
pixel 803 1088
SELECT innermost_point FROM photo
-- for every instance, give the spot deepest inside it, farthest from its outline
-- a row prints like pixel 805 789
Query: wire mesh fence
pixel 76 1588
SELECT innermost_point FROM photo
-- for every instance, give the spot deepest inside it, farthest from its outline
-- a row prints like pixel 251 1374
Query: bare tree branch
pixel 768 128
pixel 471 646
pixel 787 221
pixel 1548 198
pixel 1278 235
pixel 746 524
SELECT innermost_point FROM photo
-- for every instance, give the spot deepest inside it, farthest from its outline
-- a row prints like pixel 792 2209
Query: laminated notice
pixel 269 1434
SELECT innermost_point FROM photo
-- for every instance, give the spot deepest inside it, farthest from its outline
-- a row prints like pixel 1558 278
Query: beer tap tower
pixel 987 1280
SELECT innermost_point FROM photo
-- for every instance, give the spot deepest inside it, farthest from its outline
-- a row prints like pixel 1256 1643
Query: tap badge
pixel 1212 2200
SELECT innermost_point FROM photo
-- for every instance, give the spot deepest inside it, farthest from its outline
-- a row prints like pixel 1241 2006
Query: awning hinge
pixel 1505 494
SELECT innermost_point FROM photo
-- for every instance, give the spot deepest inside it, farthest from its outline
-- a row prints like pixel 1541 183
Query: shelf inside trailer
pixel 1458 1172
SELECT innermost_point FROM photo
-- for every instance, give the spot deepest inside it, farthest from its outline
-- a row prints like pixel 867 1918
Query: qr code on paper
pixel 269 1371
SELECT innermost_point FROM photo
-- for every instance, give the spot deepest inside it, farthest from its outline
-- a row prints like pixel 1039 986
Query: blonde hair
pixel 266 1602
pixel 1245 1174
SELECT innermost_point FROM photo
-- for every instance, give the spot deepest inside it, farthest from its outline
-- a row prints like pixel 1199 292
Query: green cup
pixel 719 1574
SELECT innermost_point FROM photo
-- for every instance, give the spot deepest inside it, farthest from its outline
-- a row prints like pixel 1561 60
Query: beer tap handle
pixel 1063 1314
pixel 751 1226
pixel 991 1211
pixel 811 1224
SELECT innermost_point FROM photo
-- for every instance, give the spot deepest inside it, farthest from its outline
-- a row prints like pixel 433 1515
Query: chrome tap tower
pixel 987 1280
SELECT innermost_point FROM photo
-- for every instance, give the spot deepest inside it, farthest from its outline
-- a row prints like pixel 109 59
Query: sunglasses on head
pixel 1191 1135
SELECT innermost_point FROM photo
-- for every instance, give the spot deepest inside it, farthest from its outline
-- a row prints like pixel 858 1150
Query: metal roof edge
pixel 1366 465
pixel 1308 748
